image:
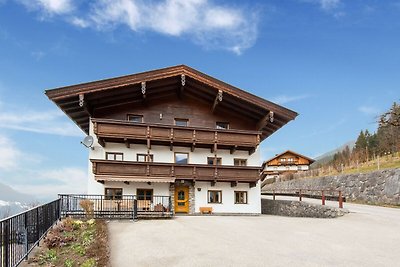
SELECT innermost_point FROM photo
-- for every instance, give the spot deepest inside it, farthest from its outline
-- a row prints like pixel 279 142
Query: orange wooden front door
pixel 182 199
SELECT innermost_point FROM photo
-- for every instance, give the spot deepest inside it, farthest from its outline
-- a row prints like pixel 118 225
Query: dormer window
pixel 222 125
pixel 135 118
pixel 181 122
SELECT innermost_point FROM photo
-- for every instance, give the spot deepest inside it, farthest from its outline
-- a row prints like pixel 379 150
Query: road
pixel 367 236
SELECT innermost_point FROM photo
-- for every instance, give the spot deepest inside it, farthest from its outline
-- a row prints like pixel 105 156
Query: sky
pixel 335 62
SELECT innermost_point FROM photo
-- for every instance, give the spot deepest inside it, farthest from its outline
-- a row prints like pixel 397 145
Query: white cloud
pixel 67 180
pixel 47 122
pixel 329 4
pixel 369 110
pixel 49 7
pixel 284 99
pixel 332 7
pixel 79 22
pixel 204 22
pixel 38 55
pixel 9 154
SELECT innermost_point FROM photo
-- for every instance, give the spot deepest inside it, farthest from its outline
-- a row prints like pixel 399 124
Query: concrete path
pixel 368 236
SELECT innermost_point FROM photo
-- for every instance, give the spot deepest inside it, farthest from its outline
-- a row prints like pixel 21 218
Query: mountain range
pixel 12 201
pixel 328 156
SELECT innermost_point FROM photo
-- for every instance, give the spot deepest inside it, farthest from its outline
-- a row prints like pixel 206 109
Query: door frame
pixel 181 209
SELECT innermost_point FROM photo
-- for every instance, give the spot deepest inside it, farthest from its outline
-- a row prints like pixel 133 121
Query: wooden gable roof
pixel 288 152
pixel 79 101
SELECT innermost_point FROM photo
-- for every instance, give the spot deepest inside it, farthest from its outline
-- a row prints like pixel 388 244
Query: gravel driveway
pixel 370 236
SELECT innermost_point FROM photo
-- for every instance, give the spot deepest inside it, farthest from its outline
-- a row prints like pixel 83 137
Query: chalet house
pixel 173 132
pixel 285 163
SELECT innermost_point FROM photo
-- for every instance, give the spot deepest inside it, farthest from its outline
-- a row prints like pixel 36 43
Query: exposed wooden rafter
pixel 143 88
pixel 218 99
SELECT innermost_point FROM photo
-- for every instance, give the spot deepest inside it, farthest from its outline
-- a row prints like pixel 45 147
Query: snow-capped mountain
pixel 13 202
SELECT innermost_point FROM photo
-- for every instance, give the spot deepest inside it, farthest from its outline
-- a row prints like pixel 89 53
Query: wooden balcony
pixel 147 171
pixel 126 132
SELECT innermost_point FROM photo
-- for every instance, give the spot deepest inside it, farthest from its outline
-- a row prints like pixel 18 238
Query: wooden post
pixel 323 198
pixel 300 197
pixel 273 194
pixel 340 200
pixel 378 163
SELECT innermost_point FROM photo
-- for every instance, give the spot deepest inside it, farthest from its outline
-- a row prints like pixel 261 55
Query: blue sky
pixel 335 62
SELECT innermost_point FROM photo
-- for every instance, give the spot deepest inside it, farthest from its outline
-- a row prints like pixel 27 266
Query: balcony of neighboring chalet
pixel 126 132
pixel 131 171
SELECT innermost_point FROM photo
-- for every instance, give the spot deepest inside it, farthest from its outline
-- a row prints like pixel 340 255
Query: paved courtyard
pixel 368 236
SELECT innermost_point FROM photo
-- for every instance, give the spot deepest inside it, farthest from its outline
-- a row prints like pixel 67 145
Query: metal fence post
pixel 135 217
pixel 26 235
pixel 7 238
pixel 37 225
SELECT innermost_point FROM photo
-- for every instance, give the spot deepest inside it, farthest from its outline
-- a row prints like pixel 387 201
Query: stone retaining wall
pixel 379 187
pixel 299 209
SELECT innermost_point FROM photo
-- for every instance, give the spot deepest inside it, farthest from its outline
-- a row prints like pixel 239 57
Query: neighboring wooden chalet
pixel 285 163
pixel 174 132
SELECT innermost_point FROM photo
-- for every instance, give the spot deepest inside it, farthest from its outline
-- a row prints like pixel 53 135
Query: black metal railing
pixel 117 207
pixel 20 233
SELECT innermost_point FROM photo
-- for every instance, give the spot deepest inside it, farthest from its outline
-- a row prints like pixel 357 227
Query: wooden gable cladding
pixel 82 101
pixel 298 159
pixel 154 170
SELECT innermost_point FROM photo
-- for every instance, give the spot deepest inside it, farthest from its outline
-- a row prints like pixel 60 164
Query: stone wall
pixel 379 187
pixel 299 209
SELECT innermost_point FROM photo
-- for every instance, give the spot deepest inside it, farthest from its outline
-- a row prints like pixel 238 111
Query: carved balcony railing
pixel 110 170
pixel 126 132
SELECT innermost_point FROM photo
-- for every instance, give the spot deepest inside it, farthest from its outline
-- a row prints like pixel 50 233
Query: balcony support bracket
pixel 102 142
pixel 127 144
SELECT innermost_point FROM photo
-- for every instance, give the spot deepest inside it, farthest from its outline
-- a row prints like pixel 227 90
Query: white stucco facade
pixel 198 156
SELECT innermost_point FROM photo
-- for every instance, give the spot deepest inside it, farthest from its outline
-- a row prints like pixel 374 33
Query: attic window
pixel 182 122
pixel 222 125
pixel 135 118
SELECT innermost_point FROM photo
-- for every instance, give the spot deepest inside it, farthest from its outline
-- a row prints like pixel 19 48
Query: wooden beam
pixel 212 183
pixel 181 89
pixel 148 143
pixel 126 182
pixel 262 122
pixel 143 87
pixel 218 98
pixel 127 144
pixel 102 142
pixel 101 181
pixel 234 184
pixel 251 151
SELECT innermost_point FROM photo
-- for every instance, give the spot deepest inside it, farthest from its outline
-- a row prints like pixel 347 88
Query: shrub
pixel 88 207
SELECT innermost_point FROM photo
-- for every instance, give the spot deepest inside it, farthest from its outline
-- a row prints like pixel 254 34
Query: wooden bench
pixel 205 210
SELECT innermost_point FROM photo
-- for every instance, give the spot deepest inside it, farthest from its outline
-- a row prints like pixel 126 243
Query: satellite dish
pixel 88 141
